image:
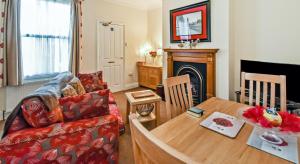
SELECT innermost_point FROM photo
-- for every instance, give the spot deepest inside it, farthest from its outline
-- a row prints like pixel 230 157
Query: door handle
pixel 111 62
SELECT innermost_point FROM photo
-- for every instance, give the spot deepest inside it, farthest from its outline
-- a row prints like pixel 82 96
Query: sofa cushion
pixel 89 105
pixel 69 91
pixel 92 81
pixel 34 134
pixel 18 124
pixel 85 141
pixel 37 115
pixel 77 85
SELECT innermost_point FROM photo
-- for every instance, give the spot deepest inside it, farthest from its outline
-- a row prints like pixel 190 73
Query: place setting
pixel 273 132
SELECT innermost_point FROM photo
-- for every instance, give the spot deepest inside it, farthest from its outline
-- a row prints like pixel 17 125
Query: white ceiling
pixel 139 4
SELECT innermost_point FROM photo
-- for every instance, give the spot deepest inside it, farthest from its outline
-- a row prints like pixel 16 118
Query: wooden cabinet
pixel 148 75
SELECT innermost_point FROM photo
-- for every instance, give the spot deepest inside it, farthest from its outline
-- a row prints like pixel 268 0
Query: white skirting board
pixel 131 86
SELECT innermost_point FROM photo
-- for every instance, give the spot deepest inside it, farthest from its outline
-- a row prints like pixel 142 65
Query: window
pixel 45 27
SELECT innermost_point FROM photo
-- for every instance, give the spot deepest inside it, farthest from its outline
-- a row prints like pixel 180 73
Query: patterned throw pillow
pixel 37 115
pixel 69 91
pixel 92 82
pixel 18 124
pixel 76 84
pixel 89 105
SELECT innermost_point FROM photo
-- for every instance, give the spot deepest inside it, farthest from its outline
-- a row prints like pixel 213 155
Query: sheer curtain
pixel 46 37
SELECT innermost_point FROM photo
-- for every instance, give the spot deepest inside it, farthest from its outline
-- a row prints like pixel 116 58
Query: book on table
pixel 195 111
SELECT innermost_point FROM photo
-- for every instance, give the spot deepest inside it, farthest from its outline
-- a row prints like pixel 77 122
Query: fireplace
pixel 197 73
pixel 289 70
pixel 200 64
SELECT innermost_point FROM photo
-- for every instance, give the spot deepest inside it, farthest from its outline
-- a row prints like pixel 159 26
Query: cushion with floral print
pixel 18 124
pixel 34 134
pixel 89 105
pixel 92 140
pixel 37 114
pixel 69 91
pixel 76 84
pixel 92 81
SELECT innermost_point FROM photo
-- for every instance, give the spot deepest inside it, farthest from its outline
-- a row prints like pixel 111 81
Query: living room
pixel 137 81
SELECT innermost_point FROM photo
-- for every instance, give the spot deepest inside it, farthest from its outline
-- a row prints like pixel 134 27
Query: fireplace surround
pixel 200 64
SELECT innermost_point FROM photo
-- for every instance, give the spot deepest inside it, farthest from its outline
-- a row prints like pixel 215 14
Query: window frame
pixel 47 76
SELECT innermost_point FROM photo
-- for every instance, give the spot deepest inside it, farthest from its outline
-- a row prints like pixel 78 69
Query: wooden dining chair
pixel 148 149
pixel 178 95
pixel 269 84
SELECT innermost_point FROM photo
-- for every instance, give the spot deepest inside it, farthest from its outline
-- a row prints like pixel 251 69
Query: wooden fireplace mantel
pixel 206 56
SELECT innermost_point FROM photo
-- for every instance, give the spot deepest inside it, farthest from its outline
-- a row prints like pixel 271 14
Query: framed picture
pixel 191 23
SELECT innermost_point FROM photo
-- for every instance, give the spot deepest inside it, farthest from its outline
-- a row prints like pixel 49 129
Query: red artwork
pixel 191 23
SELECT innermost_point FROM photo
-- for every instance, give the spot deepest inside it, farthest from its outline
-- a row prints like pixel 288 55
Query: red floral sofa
pixel 78 140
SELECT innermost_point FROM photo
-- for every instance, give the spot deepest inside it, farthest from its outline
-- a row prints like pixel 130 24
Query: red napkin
pixel 290 122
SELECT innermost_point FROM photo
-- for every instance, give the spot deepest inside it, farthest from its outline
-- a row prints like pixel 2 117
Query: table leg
pixel 157 113
pixel 127 112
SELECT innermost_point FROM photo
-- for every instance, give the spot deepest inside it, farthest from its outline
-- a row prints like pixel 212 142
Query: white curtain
pixel 46 37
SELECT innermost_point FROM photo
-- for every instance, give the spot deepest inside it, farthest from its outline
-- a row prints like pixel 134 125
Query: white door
pixel 111 54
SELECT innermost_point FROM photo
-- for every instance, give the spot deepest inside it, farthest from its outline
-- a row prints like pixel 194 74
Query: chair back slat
pixel 265 95
pixel 251 93
pixel 272 102
pixel 265 79
pixel 258 93
pixel 184 92
pixel 178 106
pixel 178 95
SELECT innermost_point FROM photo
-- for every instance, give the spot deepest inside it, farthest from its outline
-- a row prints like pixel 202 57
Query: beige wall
pixel 155 27
pixel 267 30
pixel 135 22
pixel 220 37
pixel 155 36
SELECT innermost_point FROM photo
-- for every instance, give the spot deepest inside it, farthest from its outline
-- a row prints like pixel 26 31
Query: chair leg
pixel 157 113
pixel 127 112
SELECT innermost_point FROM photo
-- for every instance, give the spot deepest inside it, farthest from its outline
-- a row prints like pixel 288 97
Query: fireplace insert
pixel 197 72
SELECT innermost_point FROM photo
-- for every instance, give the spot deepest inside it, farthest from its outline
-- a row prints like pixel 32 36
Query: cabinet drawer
pixel 154 71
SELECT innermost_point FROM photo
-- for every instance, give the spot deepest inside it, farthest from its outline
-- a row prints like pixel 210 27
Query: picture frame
pixel 191 22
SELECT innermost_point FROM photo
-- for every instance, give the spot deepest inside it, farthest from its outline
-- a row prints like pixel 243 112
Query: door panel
pixel 111 54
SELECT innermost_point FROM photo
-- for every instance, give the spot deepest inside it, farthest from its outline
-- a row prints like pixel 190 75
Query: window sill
pixel 36 81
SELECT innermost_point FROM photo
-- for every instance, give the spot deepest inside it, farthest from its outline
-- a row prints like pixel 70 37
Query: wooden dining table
pixel 185 134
